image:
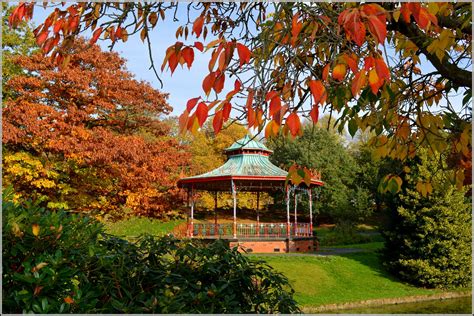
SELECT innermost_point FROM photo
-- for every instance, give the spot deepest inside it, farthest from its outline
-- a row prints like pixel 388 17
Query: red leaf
pixel 217 122
pixel 197 25
pixel 275 105
pixel 244 54
pixel 339 72
pixel 405 12
pixel 377 28
pixel 199 46
pixel 314 113
pixel 250 99
pixel 374 81
pixel 237 85
pixel 41 38
pixel 188 55
pixel 295 29
pixel 369 62
pixel 382 69
pixel 173 61
pixel 293 123
pixel 192 103
pixel 208 82
pixel 423 18
pixel 201 113
pixel 251 117
pixel 359 81
pixel 351 62
pixel 226 111
pixel 270 95
pixel 57 26
pixel 96 35
pixel 219 83
pixel 318 91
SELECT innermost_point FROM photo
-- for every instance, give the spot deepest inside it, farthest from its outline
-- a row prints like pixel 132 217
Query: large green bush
pixel 55 262
pixel 429 240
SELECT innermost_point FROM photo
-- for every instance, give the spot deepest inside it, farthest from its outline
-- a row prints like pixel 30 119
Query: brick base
pixel 275 246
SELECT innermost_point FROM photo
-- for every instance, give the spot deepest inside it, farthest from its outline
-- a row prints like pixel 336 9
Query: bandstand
pixel 248 169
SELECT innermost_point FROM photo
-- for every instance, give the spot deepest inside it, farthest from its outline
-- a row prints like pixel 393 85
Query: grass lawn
pixel 339 279
pixel 136 226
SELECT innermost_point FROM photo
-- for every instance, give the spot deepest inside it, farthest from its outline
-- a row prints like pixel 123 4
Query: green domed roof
pixel 248 143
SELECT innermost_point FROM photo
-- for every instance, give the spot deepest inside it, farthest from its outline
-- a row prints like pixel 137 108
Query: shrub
pixel 429 241
pixel 55 262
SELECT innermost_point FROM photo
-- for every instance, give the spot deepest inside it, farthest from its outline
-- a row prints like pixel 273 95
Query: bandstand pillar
pixel 288 212
pixel 310 212
pixel 234 196
pixel 296 210
pixel 215 214
pixel 258 213
pixel 191 231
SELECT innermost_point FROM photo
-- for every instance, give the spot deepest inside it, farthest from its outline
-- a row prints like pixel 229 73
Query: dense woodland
pixel 85 142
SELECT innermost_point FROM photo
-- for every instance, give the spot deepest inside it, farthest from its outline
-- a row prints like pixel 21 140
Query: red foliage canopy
pixel 94 114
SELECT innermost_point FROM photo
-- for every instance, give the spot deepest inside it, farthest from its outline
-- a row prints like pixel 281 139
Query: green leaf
pixel 353 127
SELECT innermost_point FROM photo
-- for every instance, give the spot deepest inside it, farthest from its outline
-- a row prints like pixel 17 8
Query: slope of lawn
pixel 136 226
pixel 319 280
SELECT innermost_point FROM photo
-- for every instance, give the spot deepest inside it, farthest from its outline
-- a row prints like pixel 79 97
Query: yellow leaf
pixel 396 15
pixel 35 229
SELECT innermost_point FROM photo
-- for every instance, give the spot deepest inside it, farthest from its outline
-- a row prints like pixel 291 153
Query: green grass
pixel 136 226
pixel 372 246
pixel 339 279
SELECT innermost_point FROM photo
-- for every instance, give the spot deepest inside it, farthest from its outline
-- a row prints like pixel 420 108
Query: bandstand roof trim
pixel 248 168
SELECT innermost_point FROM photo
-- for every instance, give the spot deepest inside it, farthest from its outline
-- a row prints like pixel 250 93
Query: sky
pixel 184 83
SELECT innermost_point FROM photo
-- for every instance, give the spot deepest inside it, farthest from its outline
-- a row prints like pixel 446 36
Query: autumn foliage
pixel 88 137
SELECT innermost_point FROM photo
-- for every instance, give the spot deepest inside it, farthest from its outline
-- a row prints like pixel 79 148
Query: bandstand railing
pixel 246 230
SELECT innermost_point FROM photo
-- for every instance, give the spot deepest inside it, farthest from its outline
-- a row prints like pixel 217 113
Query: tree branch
pixel 458 76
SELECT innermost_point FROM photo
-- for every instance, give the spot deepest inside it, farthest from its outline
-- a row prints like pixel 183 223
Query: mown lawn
pixel 136 226
pixel 351 277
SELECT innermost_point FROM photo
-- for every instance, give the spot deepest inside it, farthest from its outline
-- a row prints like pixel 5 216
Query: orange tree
pixel 388 67
pixel 89 137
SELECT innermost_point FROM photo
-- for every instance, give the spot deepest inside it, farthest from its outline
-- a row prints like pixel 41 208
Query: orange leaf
pixel 318 91
pixel 275 105
pixel 271 129
pixel 423 18
pixel 369 62
pixel 183 121
pixel 377 28
pixel 191 103
pixel 295 28
pixel 359 81
pixel 293 123
pixel 405 11
pixel 314 113
pixel 270 95
pixel 197 25
pixel 374 81
pixel 201 113
pixel 208 82
pixel 219 83
pixel 217 122
pixel 339 72
pixel 244 54
pixel 188 55
pixel 226 111
pixel 68 300
pixel 325 72
pixel 199 46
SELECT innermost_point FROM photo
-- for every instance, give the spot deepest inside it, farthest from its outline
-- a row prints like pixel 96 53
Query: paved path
pixel 323 252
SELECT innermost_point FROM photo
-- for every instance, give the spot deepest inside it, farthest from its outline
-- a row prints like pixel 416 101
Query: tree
pixel 323 150
pixel 368 63
pixel 429 239
pixel 89 137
